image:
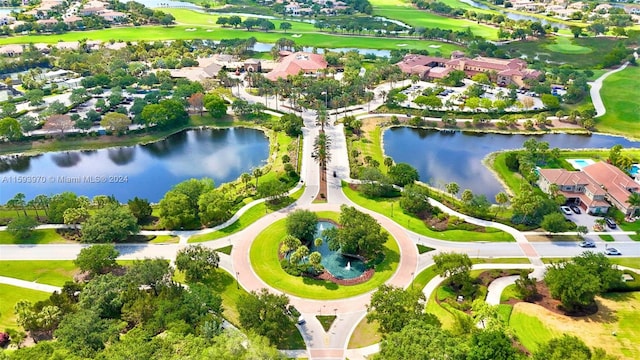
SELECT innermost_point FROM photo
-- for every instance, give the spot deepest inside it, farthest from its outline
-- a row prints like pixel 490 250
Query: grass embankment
pixel 617 312
pixel 50 272
pixel 44 236
pixel 620 93
pixel 9 296
pixel 246 219
pixel 265 262
pixel 384 207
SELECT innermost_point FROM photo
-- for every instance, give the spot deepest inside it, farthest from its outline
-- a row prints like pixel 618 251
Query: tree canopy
pixel 112 223
pixel 358 234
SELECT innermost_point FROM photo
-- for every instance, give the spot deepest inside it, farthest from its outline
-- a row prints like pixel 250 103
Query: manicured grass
pixel 618 312
pixel 607 238
pixel 566 45
pixel 178 32
pixel 165 239
pixel 326 321
pixel 504 312
pixel 509 292
pixel 420 18
pixel 248 218
pixel 265 262
pixel 9 296
pixel 50 272
pixel 539 48
pixel 370 142
pixel 365 334
pixel 446 318
pixel 531 332
pixel 422 279
pixel 44 236
pixel 225 250
pixel 424 249
pixel 515 260
pixel 629 262
pixel 620 93
pixel 513 180
pixel 414 224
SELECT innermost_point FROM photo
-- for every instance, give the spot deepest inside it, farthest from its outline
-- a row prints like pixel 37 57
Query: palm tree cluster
pixel 321 150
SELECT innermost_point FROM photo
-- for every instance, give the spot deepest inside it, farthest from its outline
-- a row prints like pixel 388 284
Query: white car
pixel 566 210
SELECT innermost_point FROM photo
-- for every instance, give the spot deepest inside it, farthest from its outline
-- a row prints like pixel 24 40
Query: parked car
pixel 575 209
pixel 611 224
pixel 566 210
pixel 612 251
pixel 301 320
pixel 587 244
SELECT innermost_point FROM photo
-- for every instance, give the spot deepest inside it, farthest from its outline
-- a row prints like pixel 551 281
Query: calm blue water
pixel 333 261
pixel 146 171
pixel 445 157
pixel 634 170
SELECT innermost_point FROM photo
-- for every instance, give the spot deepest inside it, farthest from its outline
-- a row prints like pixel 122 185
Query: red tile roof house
pixel 294 63
pixel 594 188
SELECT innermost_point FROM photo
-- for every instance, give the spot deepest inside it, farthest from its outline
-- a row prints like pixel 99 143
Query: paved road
pixel 331 344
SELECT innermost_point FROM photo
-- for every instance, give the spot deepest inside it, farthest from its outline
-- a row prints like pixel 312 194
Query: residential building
pixel 207 68
pixel 112 16
pixel 577 187
pixel 6 20
pixel 594 188
pixel 11 50
pixel 293 63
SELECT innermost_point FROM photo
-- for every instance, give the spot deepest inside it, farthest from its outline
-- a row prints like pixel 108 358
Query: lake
pixel 443 157
pixel 146 171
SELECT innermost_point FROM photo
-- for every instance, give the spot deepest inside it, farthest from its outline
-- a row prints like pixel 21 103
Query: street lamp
pixel 237 281
pixel 391 209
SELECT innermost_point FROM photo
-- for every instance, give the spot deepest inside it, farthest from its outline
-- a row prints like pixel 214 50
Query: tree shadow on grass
pixel 328 285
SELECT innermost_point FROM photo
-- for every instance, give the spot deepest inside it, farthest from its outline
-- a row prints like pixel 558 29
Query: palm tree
pixel 19 202
pixel 501 199
pixel 245 177
pixel 43 201
pixel 322 118
pixel 634 201
pixel 452 188
pixel 34 204
pixel 321 150
pixel 257 172
pixel 388 162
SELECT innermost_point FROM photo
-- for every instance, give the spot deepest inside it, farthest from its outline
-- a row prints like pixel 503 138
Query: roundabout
pixel 265 263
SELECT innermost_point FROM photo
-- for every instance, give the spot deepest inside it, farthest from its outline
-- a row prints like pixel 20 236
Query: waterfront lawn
pixel 384 207
pixel 43 236
pixel 50 272
pixel 249 217
pixel 369 143
pixel 620 94
pixel 540 49
pixel 9 297
pixel 265 262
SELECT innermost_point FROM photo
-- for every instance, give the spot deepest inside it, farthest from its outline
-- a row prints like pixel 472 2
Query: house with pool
pixel 595 187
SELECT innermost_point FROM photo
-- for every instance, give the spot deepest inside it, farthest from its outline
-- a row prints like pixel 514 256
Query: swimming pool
pixel 580 163
pixel 635 169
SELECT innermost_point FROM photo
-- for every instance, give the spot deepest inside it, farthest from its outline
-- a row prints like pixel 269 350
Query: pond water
pixel 514 16
pixel 442 157
pixel 339 266
pixel 146 171
pixel 264 47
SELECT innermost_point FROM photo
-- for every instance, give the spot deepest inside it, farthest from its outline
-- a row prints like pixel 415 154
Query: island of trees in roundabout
pixel 342 255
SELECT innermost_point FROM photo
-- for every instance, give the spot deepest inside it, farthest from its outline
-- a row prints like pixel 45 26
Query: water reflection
pixel 442 157
pixel 122 156
pixel 18 164
pixel 66 159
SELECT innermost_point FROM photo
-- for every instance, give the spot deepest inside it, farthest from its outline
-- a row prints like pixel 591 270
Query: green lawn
pixel 248 218
pixel 516 260
pixel 9 296
pixel 403 11
pixel 509 293
pixel 326 321
pixel 412 223
pixel 365 334
pixel 264 259
pixel 45 236
pixel 50 272
pixel 544 50
pixel 620 93
pixel 530 331
pixel 165 239
pixel 566 45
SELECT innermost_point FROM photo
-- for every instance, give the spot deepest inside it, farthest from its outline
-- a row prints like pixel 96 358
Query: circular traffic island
pixel 336 276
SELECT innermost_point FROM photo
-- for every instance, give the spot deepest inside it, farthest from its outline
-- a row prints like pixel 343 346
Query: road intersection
pixel 331 344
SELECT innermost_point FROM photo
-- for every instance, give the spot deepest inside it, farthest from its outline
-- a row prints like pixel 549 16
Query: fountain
pixel 339 266
pixel 348 268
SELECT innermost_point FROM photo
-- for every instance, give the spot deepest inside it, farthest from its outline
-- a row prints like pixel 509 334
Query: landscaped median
pixel 392 210
pixel 266 264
